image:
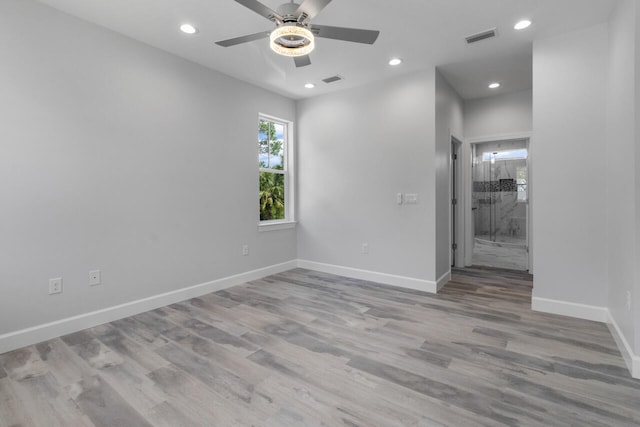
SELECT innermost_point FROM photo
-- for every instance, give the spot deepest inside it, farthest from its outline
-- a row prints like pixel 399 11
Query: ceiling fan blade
pixel 312 7
pixel 347 34
pixel 261 10
pixel 302 61
pixel 243 39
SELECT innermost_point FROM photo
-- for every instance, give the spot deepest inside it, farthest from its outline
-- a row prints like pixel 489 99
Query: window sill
pixel 276 225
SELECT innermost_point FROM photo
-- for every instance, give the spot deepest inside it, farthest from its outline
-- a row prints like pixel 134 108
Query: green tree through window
pixel 273 169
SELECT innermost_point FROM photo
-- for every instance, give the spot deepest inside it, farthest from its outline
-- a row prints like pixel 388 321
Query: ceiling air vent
pixel 332 79
pixel 481 36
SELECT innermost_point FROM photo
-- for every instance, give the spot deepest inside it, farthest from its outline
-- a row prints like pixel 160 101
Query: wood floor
pixel 303 348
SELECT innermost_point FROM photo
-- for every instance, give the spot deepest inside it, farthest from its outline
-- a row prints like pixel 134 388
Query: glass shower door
pixel 500 203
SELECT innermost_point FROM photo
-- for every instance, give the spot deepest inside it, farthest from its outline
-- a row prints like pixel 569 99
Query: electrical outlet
pixel 55 285
pixel 399 198
pixel 245 250
pixel 94 277
pixel 629 300
pixel 365 248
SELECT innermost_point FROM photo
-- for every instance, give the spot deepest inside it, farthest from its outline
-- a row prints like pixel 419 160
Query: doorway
pixel 500 204
pixel 455 191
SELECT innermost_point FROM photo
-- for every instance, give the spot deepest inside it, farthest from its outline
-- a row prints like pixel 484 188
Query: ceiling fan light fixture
pixel 292 40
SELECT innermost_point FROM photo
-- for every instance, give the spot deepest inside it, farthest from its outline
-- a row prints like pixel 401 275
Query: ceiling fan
pixel 294 34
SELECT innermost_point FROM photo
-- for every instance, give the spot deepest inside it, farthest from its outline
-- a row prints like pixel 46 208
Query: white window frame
pixel 518 154
pixel 289 176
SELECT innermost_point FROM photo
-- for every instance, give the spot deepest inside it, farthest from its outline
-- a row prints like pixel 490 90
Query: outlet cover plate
pixel 94 277
pixel 55 285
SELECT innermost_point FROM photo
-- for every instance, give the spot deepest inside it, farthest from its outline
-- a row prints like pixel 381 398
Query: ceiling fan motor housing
pixel 288 10
pixel 292 36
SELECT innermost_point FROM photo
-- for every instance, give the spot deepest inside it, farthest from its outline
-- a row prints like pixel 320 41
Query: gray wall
pixel 569 97
pixel 121 158
pixel 449 121
pixel 357 149
pixel 636 294
pixel 498 115
pixel 622 191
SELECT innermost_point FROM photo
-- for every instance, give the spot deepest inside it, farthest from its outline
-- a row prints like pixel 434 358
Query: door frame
pixel 468 191
pixel 456 210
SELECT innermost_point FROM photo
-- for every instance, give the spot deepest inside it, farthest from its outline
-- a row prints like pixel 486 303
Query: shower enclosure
pixel 499 206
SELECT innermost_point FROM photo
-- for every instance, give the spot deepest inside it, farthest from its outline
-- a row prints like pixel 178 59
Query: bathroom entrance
pixel 500 204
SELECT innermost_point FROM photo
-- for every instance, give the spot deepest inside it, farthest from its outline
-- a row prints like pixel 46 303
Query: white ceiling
pixel 425 33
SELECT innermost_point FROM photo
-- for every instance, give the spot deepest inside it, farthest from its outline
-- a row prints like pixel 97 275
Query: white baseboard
pixel 630 358
pixel 374 276
pixel 595 313
pixel 39 333
pixel 571 309
pixel 443 280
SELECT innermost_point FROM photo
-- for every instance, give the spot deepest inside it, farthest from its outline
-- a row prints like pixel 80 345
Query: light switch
pixel 411 198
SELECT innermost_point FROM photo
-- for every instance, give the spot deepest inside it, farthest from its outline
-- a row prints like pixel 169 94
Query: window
pixel 521 182
pixel 275 201
pixel 504 155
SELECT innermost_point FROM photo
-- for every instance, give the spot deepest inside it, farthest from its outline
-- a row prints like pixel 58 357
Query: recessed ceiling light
pixel 522 24
pixel 494 85
pixel 395 61
pixel 188 29
pixel 309 85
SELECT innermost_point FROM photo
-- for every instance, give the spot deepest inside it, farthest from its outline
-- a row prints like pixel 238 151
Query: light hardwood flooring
pixel 303 348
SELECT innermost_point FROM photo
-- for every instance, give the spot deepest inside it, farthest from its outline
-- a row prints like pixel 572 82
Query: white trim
pixel 374 276
pixel 500 137
pixel 467 154
pixel 460 207
pixel 529 207
pixel 39 333
pixel 278 171
pixel 442 280
pixel 571 309
pixel 597 314
pixel 276 225
pixel 289 172
pixel 630 358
